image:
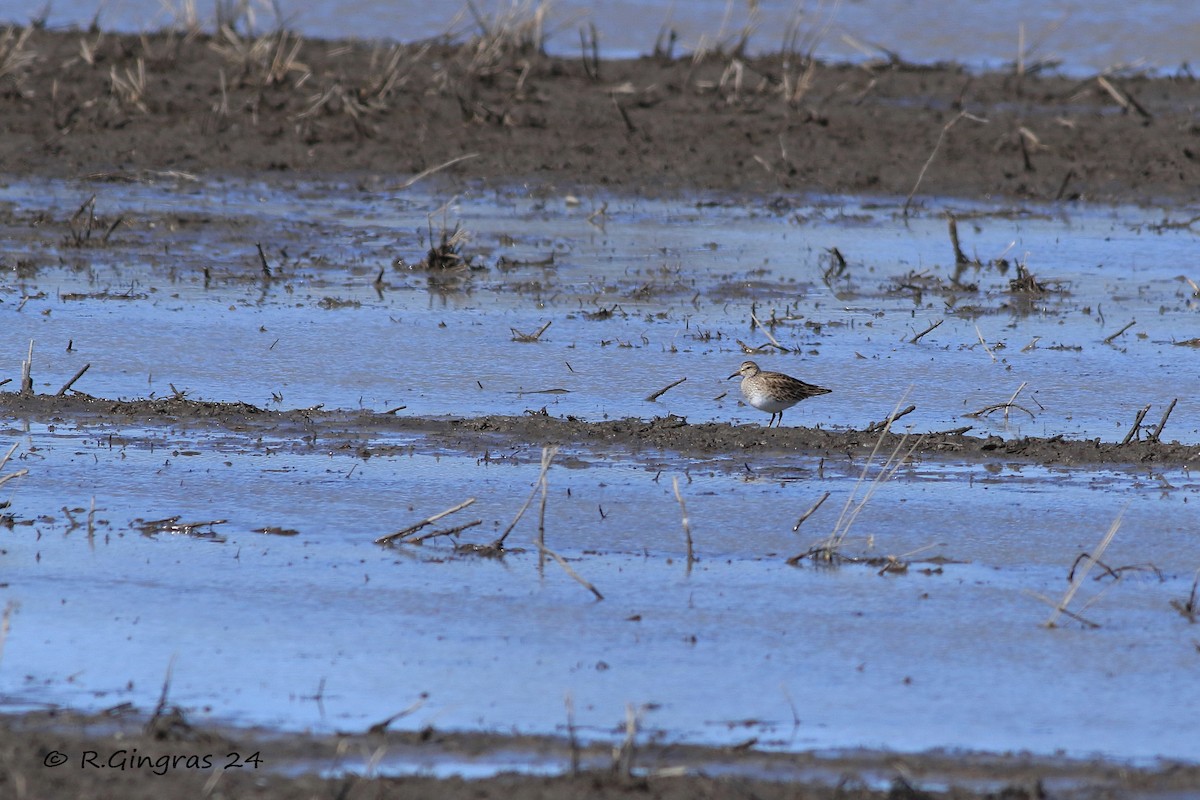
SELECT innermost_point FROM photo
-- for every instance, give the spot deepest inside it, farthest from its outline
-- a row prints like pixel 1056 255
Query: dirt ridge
pixel 670 433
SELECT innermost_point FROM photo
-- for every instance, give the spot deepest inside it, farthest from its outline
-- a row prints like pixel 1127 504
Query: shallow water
pixel 681 281
pixel 1085 37
pixel 322 629
pixel 325 630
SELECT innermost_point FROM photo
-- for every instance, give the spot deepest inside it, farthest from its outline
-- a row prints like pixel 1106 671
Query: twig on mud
pixel 529 337
pixel 983 412
pixel 687 528
pixel 886 423
pixel 1154 437
pixel 1137 425
pixel 750 350
pixel 1109 339
pixel 629 126
pixel 426 173
pixel 1124 99
pixel 811 510
pixel 767 333
pixel 68 384
pixel 1061 607
pixel 941 137
pixel 457 529
pixel 665 389
pixel 382 725
pixel 917 338
pixel 428 520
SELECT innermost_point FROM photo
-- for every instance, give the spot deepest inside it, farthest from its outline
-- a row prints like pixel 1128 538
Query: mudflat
pixel 80 103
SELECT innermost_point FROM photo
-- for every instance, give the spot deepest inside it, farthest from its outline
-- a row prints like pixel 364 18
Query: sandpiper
pixel 773 391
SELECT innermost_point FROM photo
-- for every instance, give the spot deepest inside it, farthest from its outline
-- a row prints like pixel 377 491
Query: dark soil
pixel 122 755
pixel 669 434
pixel 82 107
pixel 88 104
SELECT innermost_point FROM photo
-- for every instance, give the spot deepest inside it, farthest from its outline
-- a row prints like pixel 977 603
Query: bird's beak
pixel 734 375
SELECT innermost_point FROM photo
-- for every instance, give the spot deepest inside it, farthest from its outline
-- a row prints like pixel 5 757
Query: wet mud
pixel 670 433
pixel 124 754
pixel 118 106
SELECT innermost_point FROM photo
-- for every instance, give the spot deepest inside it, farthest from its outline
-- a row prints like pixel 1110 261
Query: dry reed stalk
pixel 457 529
pixel 1137 425
pixel 572 739
pixel 13 475
pixel 687 528
pixel 983 342
pixel 937 146
pixel 623 756
pixel 885 424
pixel 665 389
pixel 70 383
pixel 960 258
pixel 14 57
pixel 1005 406
pixel 27 372
pixel 1154 437
pixel 767 333
pixel 828 551
pixel 548 454
pixel 1061 607
pixel 130 88
pixel 567 567
pixel 1124 99
pixel 811 510
pixel 886 472
pixel 427 521
pixel 8 455
pixel 420 176
pixel 518 336
pixel 382 725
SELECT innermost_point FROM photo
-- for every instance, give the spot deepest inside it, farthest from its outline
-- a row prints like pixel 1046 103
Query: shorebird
pixel 773 391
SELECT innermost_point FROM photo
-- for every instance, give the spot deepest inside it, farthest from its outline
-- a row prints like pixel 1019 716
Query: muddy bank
pixel 88 103
pixel 122 753
pixel 320 427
